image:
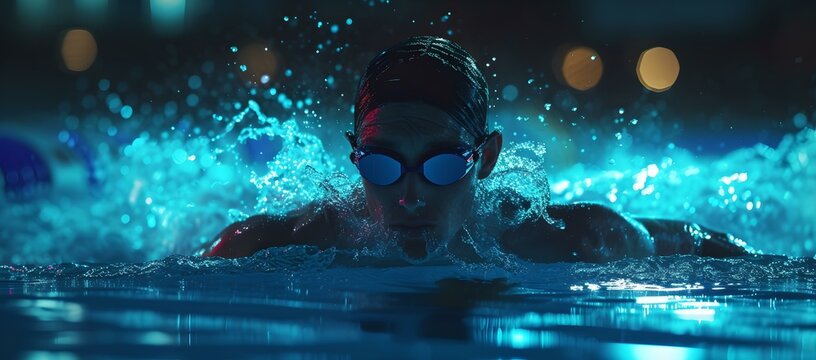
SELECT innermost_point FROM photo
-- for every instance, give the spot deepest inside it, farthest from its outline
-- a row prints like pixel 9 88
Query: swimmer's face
pixel 422 217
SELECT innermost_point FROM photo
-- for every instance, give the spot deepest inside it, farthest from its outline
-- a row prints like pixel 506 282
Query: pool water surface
pixel 295 303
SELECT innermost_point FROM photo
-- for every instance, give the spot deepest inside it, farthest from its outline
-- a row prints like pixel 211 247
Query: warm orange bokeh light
pixel 260 60
pixel 582 68
pixel 657 69
pixel 78 50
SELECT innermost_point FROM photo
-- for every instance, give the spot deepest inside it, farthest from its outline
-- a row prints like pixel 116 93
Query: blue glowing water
pixel 300 303
pixel 161 170
pixel 170 192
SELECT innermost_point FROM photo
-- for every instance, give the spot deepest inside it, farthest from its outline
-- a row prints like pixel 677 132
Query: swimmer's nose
pixel 410 199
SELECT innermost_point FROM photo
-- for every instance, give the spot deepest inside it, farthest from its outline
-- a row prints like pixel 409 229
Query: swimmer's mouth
pixel 416 249
pixel 412 239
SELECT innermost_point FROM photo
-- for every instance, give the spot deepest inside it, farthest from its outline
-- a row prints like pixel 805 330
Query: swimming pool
pixel 298 304
pixel 144 171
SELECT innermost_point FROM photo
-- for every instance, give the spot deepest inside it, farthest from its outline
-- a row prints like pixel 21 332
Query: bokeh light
pixel 258 64
pixel 510 93
pixel 168 15
pixel 78 50
pixel 657 69
pixel 582 68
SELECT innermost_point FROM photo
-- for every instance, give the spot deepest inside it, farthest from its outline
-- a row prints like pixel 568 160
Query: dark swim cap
pixel 427 69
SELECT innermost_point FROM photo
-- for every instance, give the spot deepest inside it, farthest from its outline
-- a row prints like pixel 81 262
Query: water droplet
pixel 126 112
pixel 510 93
pixel 800 120
pixel 194 82
pixel 104 85
pixel 179 156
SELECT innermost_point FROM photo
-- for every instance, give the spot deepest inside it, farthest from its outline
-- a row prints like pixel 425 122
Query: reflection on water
pixel 412 312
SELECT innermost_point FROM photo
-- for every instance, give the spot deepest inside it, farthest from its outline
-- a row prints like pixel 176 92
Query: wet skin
pixel 412 205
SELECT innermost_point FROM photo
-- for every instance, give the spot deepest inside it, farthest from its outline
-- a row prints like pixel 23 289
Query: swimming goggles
pixel 384 167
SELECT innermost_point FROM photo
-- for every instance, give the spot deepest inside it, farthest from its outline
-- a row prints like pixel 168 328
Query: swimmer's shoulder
pixel 311 225
pixel 578 232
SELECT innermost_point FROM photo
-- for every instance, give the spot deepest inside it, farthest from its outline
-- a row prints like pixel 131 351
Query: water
pixel 203 143
pixel 100 265
pixel 304 304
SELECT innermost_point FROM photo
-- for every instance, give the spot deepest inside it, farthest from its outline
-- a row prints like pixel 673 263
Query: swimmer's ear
pixel 490 154
pixel 353 142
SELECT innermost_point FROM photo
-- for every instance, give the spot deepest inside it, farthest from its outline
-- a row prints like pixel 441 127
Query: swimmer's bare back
pixel 595 233
pixel 582 232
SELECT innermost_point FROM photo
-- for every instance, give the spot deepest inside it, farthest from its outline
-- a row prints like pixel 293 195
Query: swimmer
pixel 421 144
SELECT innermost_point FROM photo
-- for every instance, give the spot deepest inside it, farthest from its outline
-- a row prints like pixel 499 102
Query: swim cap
pixel 429 69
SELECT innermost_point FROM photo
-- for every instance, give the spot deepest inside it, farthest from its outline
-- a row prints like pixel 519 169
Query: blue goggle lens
pixel 379 169
pixel 444 169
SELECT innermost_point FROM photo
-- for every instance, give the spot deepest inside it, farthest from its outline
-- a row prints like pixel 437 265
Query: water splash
pixel 746 192
pixel 281 260
pixel 181 166
pixel 169 193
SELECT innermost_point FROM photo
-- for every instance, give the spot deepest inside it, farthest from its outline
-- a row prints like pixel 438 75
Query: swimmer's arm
pixel 679 237
pixel 259 232
pixel 585 232
pixel 244 238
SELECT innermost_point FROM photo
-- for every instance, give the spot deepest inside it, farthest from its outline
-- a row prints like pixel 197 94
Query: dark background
pixel 746 66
